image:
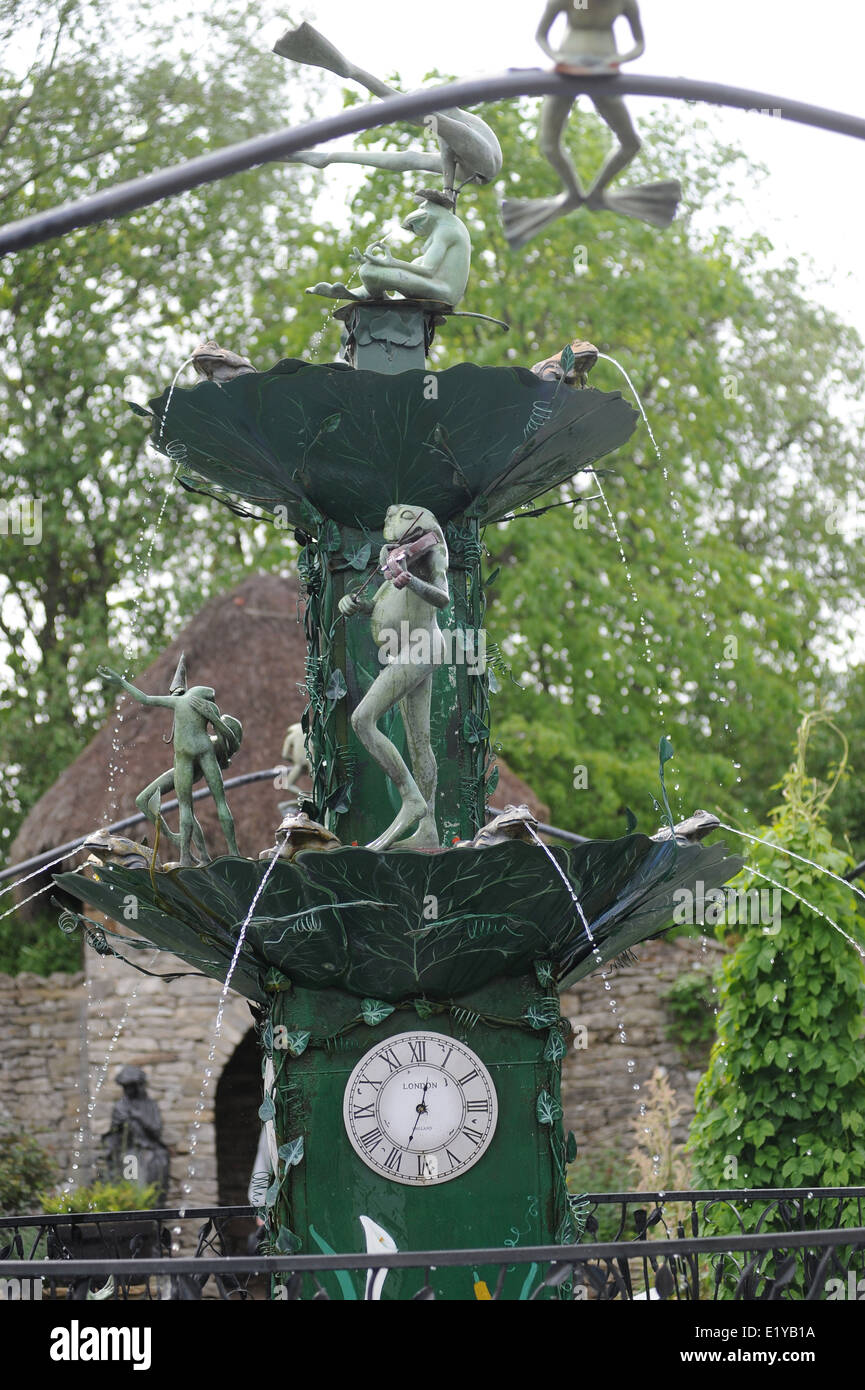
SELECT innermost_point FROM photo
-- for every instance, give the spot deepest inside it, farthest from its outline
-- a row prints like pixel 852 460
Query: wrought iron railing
pixel 775 1244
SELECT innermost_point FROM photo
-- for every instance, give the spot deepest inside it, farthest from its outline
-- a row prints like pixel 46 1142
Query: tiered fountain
pixel 402 957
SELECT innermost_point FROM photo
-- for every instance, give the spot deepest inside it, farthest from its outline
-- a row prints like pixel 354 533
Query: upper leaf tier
pixel 328 441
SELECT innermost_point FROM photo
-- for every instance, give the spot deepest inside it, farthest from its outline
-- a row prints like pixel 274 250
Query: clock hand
pixel 421 1110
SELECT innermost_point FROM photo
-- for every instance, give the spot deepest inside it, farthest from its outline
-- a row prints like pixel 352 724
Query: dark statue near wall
pixel 134 1148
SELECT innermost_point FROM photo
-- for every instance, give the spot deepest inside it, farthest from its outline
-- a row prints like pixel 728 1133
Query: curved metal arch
pixel 264 149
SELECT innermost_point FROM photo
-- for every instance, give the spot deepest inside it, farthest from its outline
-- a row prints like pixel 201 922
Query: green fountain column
pixel 351 794
pixel 389 338
pixel 338 1164
pixel 360 1159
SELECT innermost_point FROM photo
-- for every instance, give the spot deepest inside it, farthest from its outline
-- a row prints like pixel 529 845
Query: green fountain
pixel 403 957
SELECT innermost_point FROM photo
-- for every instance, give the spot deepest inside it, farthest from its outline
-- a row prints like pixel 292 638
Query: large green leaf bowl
pixel 327 441
pixel 401 925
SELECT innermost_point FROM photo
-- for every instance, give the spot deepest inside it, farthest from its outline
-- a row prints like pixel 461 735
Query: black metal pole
pixel 264 149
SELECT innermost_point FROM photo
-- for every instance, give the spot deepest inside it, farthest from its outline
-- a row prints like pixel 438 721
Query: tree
pixel 116 554
pixel 715 639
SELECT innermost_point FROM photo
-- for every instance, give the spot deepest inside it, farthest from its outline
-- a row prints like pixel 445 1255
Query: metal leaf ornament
pixel 374 1011
pixel 508 906
pixel 297 1043
pixel 293 436
pixel 548 1110
pixel 292 1153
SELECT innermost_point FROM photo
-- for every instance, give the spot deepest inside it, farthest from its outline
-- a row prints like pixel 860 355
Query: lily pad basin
pixel 329 441
pixel 402 925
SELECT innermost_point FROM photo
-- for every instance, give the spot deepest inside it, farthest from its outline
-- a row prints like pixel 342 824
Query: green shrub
pixel 37 945
pixel 782 1103
pixel 103 1196
pixel 26 1170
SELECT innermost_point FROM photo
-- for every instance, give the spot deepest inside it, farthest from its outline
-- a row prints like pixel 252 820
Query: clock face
pixel 420 1108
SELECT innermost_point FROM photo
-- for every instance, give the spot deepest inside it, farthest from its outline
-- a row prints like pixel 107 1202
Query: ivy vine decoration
pixel 333 765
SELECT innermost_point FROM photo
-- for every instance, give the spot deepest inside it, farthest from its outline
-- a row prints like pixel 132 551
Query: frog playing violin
pixel 403 614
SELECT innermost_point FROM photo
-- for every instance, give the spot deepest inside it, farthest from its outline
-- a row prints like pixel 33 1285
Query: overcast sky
pixel 812 201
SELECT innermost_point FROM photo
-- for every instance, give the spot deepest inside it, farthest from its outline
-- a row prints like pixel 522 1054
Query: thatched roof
pixel 249 646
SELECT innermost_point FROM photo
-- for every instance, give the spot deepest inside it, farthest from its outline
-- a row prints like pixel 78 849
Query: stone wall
pixel 170 1031
pixel 43 1059
pixel 63 1038
pixel 598 1089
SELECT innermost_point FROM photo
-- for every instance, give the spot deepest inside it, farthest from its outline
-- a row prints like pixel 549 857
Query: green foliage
pixel 690 1003
pixel 36 945
pixel 109 313
pixel 658 1160
pixel 845 815
pixel 26 1170
pixel 783 1100
pixel 103 1196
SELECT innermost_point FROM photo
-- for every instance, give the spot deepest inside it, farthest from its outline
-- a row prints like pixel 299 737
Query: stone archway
pixel 238 1096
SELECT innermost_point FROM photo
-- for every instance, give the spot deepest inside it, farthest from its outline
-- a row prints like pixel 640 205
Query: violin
pixel 404 552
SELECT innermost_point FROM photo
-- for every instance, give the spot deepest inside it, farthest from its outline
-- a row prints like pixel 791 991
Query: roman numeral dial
pixel 420 1108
